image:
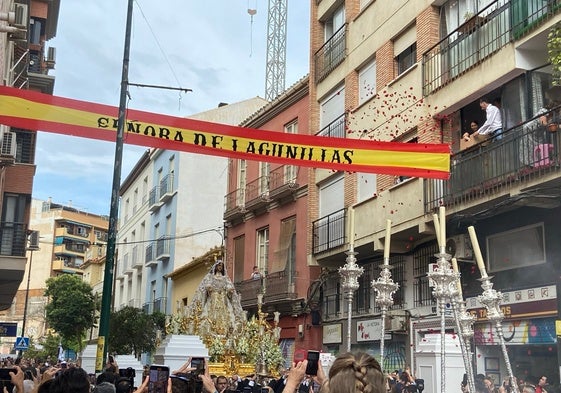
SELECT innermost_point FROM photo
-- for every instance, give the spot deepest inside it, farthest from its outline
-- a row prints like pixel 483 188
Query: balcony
pixel 158 305
pixel 163 248
pixel 154 202
pixel 280 286
pixel 74 233
pixel 66 266
pixel 248 290
pixel 127 268
pixel 136 261
pixel 257 194
pixel 331 54
pixel 70 249
pixel 166 188
pixel 467 46
pixel 335 129
pixel 328 232
pixel 283 182
pixel 234 205
pixel 527 156
pixel 150 256
pixel 13 239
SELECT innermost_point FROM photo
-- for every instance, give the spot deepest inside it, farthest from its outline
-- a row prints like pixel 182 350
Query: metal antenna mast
pixel 275 73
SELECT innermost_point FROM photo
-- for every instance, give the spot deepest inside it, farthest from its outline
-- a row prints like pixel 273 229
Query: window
pixel 241 181
pixel 422 292
pixel 264 170
pixel 13 236
pixel 406 59
pixel 25 147
pixel 285 254
pixel 367 82
pixel 336 21
pixel 263 249
pixel 239 257
pixel 291 171
pixel 516 248
pixel 401 179
pixel 329 229
pixel 332 114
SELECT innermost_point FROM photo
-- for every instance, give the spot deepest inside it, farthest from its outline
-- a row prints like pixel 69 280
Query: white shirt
pixel 493 122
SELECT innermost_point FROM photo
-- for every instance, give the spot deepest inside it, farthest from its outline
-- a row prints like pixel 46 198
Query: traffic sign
pixel 8 329
pixel 22 343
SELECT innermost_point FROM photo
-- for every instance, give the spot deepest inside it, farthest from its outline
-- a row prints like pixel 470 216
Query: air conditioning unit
pixel 7 142
pixel 21 17
pixel 395 323
pixel 33 241
pixel 51 58
pixel 459 247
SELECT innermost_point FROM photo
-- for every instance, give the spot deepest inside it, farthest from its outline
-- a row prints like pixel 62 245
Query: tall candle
pixel 437 229
pixel 351 227
pixel 387 241
pixel 442 218
pixel 477 252
pixel 456 270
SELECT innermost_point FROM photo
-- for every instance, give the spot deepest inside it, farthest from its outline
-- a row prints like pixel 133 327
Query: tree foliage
pixel 133 331
pixel 71 308
pixel 45 348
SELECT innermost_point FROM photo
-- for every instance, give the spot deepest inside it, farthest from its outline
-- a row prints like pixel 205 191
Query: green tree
pixel 133 331
pixel 71 308
pixel 46 347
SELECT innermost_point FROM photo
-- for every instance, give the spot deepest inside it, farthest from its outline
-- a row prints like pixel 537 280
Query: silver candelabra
pixel 443 282
pixel 350 273
pixel 385 287
pixel 491 299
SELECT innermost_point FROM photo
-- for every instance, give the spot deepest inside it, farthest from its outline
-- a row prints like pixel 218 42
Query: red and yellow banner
pixel 36 111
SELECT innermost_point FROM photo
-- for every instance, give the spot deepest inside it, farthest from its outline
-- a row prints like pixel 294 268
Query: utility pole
pixel 101 353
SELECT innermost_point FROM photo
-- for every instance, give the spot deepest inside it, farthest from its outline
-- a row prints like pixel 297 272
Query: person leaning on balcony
pixel 256 274
pixel 493 126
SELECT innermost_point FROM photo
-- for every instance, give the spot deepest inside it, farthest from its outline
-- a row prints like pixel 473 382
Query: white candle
pixel 437 229
pixel 387 241
pixel 351 227
pixel 442 218
pixel 456 270
pixel 477 252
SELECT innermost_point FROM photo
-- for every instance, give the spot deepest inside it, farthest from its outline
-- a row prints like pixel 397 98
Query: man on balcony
pixel 493 126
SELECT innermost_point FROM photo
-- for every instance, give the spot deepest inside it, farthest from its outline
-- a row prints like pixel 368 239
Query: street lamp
pixel 350 273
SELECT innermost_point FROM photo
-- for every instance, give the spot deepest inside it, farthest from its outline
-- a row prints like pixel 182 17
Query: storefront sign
pixel 532 302
pixel 369 330
pixel 333 334
pixel 521 332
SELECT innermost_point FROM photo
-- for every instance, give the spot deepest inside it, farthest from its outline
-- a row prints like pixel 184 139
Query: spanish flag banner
pixel 36 111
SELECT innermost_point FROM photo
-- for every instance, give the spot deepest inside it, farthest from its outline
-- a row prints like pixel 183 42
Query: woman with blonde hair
pixel 350 373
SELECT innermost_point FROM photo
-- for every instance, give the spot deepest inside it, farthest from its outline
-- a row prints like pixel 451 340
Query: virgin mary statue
pixel 216 306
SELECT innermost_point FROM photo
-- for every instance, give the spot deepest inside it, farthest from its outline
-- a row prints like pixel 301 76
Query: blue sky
pixel 210 47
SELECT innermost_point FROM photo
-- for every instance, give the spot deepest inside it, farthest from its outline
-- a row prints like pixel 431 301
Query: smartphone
pixel 158 379
pixel 198 364
pixel 6 379
pixel 313 362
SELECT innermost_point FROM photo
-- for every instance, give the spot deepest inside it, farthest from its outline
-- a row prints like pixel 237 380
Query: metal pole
pixel 114 212
pixel 349 318
pixel 26 299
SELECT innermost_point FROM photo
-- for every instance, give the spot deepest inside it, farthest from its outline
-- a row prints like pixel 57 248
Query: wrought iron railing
pixel 331 54
pixel 280 286
pixel 336 128
pixel 258 188
pixel 162 247
pixel 525 152
pixel 328 232
pixel 234 199
pixel 166 185
pixel 149 255
pixel 464 48
pixel 283 176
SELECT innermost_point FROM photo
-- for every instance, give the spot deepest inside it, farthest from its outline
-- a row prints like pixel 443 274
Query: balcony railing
pixel 280 286
pixel 13 239
pixel 234 204
pixel 166 187
pixel 162 248
pixel 331 54
pixel 154 199
pixel 248 290
pixel 328 232
pixel 335 129
pixel 158 305
pixel 257 192
pixel 283 181
pixel 150 256
pixel 527 15
pixel 468 45
pixel 525 153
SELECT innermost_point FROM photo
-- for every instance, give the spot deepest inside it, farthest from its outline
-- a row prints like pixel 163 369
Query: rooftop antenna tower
pixel 275 73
